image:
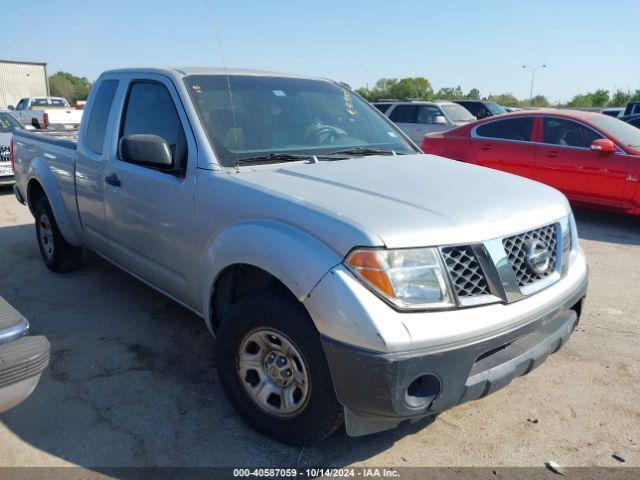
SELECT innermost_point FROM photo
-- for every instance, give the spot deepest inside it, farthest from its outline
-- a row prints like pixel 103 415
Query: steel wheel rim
pixel 273 372
pixel 45 234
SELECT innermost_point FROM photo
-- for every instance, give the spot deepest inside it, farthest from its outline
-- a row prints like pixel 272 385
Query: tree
pixel 620 98
pixel 537 101
pixel 599 98
pixel 449 93
pixel 474 94
pixel 416 87
pixel 506 99
pixel 63 84
pixel 581 101
pixel 420 88
pixel 365 93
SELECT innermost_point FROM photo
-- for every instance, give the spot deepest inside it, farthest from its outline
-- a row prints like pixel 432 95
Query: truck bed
pixel 53 153
pixel 61 137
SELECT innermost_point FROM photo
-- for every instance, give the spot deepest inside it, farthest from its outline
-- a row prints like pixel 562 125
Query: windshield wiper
pixel 364 151
pixel 272 158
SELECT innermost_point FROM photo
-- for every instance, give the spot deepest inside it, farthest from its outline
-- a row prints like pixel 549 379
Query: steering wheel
pixel 332 133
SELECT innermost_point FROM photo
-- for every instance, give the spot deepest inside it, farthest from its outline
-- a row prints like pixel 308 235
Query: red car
pixel 593 159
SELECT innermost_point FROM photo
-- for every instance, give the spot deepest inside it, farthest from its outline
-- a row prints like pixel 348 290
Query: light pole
pixel 533 74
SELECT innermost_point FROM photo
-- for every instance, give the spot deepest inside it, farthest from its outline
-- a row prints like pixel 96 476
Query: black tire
pixel 322 414
pixel 57 253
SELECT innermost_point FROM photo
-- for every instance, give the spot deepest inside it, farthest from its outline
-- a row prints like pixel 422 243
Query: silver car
pixel 417 118
pixel 22 358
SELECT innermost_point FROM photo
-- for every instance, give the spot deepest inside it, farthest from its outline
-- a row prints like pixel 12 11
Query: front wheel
pixel 57 253
pixel 273 369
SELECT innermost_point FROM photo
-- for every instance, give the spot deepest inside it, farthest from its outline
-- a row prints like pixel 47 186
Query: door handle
pixel 485 147
pixel 552 154
pixel 113 180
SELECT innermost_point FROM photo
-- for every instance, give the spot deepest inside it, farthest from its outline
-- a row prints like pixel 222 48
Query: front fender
pixel 295 257
pixel 40 171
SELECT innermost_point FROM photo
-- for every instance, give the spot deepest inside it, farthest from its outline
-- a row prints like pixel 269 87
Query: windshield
pixel 494 108
pixel 8 124
pixel 621 131
pixel 279 115
pixel 457 113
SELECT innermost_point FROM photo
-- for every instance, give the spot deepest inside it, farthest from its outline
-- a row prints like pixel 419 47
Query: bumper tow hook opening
pixel 422 391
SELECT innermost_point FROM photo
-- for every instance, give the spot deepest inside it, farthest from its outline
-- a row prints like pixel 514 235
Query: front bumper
pixel 458 355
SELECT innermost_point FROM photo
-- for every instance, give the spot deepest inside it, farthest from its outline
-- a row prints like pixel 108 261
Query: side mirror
pixel 145 149
pixel 603 145
pixel 10 107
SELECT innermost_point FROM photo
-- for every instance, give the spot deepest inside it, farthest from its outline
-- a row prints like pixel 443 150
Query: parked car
pixel 8 125
pixel 632 119
pixel 44 112
pixel 23 358
pixel 481 109
pixel 344 274
pixel 612 112
pixel 593 159
pixel 417 118
pixel 632 108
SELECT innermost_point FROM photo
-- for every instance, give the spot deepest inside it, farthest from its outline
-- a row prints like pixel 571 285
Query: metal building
pixel 22 79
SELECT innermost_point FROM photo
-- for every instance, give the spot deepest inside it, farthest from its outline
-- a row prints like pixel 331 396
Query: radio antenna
pixel 226 71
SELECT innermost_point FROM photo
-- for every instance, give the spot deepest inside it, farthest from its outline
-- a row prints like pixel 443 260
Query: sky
pixel 475 44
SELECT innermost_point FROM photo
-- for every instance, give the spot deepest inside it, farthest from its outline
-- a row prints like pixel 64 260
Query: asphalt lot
pixel 133 380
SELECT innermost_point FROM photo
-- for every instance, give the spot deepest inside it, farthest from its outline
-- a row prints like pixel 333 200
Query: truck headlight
pixel 407 278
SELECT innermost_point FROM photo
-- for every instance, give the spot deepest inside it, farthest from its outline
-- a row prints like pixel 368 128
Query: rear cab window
pixel 39 102
pixel 149 109
pixel 517 129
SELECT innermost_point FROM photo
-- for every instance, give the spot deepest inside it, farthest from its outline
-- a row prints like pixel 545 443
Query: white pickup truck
pixel 344 273
pixel 44 112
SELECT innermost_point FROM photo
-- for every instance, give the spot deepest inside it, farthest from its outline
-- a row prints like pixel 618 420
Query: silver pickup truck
pixel 345 275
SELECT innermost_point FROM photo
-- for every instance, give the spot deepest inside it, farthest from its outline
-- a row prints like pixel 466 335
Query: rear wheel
pixel 273 369
pixel 57 253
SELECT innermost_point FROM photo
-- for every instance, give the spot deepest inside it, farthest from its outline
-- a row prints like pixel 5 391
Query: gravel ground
pixel 133 382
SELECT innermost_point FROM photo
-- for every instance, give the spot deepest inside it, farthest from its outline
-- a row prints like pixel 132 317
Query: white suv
pixel 417 118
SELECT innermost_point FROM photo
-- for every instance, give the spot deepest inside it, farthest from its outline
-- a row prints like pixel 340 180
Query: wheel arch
pixel 42 184
pixel 262 254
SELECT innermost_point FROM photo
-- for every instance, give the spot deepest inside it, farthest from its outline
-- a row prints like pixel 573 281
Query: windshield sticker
pixel 348 103
pixel 279 93
pixel 196 88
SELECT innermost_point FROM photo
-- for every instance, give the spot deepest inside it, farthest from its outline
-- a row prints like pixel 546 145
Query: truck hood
pixel 415 200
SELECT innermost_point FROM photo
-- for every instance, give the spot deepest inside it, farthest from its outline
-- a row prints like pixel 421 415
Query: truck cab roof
pixel 199 70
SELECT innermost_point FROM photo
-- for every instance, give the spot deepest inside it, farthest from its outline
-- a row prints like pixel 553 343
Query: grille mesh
pixel 465 272
pixel 516 248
